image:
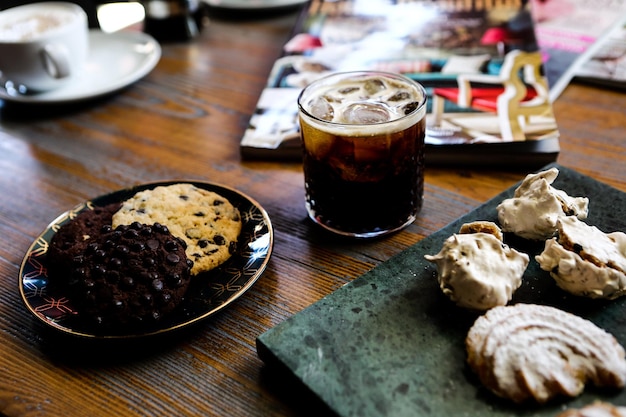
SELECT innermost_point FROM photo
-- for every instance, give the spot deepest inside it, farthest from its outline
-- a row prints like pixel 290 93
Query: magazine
pixel 568 31
pixel 479 62
pixel 605 62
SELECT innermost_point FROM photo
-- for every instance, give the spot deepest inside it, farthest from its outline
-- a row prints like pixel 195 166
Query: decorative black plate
pixel 209 293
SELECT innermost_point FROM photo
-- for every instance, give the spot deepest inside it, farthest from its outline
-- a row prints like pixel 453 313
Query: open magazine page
pixel 605 62
pixel 567 29
pixel 479 62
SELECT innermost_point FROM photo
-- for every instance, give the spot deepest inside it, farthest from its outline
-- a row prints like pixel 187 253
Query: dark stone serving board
pixel 391 344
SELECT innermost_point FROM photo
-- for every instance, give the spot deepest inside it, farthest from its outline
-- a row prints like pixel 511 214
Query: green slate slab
pixel 390 344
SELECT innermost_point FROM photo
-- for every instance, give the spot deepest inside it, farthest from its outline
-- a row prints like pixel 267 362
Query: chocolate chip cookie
pixel 72 238
pixel 128 277
pixel 206 221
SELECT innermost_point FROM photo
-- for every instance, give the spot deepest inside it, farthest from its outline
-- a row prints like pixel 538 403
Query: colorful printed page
pixel 567 29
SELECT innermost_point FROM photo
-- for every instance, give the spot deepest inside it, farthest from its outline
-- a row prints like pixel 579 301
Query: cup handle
pixel 56 61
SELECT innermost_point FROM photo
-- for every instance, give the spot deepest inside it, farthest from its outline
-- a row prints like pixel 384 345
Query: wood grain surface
pixel 184 121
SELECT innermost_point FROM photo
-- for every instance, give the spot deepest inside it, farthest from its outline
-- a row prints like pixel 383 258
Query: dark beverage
pixel 363 144
pixel 174 20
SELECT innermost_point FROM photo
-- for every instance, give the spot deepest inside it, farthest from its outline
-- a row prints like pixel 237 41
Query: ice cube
pixel 359 159
pixel 374 86
pixel 365 114
pixel 318 146
pixel 371 150
pixel 347 90
pixel 332 99
pixel 349 172
pixel 410 107
pixel 399 96
pixel 322 109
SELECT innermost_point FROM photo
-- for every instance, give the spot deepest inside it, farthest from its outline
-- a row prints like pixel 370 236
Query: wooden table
pixel 185 120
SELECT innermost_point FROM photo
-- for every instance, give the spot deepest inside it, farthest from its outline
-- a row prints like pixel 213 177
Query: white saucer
pixel 116 60
pixel 253 4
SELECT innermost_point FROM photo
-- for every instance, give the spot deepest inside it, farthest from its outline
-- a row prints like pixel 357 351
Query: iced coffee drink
pixel 363 144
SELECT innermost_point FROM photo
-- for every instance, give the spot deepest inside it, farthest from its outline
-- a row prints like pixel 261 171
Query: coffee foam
pixel 31 24
pixel 398 120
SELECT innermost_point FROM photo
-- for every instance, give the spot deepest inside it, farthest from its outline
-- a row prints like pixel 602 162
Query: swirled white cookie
pixel 476 269
pixel 527 352
pixel 207 222
pixel 536 206
pixel 585 261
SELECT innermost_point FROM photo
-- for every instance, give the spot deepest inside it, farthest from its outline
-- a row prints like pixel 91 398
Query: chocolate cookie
pixel 131 276
pixel 72 238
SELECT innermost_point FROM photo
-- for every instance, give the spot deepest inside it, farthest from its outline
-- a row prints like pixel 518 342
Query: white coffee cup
pixel 42 45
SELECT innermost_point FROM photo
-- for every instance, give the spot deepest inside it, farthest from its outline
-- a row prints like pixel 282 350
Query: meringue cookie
pixel 536 206
pixel 585 261
pixel 477 270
